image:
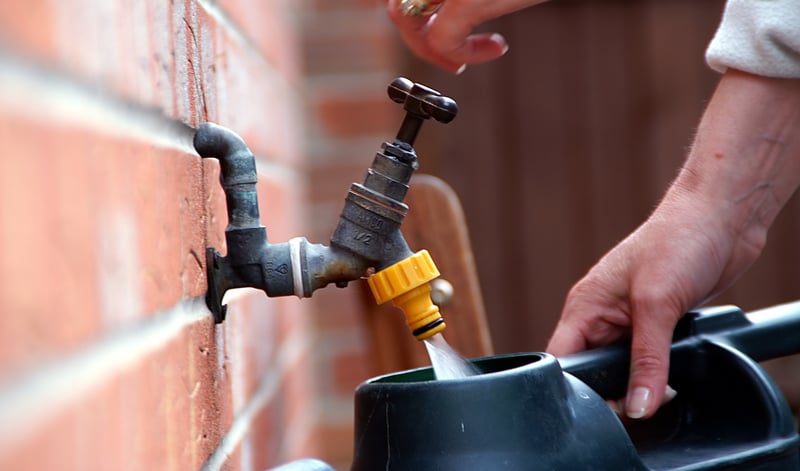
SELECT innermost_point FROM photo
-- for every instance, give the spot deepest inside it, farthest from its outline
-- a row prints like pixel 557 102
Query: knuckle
pixel 658 300
pixel 646 361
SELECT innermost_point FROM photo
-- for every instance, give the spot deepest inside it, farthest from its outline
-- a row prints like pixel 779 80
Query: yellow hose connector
pixel 407 283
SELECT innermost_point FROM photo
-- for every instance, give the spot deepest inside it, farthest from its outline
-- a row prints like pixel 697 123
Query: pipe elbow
pixel 237 162
pixel 213 140
pixel 237 172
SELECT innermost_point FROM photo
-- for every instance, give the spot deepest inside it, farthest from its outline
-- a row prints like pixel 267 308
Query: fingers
pixel 479 48
pixel 593 314
pixel 450 35
pixel 445 39
pixel 605 307
pixel 618 406
pixel 414 31
pixel 565 340
pixel 650 348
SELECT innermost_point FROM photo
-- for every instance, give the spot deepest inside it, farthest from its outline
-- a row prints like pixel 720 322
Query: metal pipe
pixel 291 268
pixel 367 236
pixel 238 172
pixel 368 232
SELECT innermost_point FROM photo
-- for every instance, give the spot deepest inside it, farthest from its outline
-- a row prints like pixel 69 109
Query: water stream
pixel 446 362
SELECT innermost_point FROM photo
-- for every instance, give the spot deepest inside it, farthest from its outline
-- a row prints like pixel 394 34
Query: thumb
pixel 650 349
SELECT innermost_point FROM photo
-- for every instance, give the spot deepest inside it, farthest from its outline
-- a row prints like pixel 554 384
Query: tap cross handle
pixel 420 103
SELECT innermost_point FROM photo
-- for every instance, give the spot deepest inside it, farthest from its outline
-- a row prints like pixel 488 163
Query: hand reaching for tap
pixel 445 38
pixel 709 228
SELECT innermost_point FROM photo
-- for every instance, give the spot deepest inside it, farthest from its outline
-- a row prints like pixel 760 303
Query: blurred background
pixel 109 358
pixel 564 146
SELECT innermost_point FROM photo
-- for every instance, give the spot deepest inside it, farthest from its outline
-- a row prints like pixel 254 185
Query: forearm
pixel 745 162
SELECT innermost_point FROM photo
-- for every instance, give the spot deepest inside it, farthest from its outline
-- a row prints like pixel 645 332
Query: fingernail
pixel 461 69
pixel 669 394
pixel 638 402
pixel 500 39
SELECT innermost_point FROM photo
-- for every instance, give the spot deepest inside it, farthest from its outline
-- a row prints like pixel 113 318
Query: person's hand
pixel 710 227
pixel 681 255
pixel 445 39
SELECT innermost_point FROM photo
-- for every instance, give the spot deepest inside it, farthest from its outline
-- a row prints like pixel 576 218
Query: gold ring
pixel 419 7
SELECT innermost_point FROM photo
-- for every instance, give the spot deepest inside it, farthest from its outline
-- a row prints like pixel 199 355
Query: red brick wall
pixel 108 357
pixel 351 54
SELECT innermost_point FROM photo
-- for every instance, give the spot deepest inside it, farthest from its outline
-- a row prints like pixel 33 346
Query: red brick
pixel 344 362
pixel 353 114
pixel 211 408
pixel 100 231
pixel 268 25
pixel 286 415
pixel 265 435
pixel 257 352
pixel 165 411
pixel 87 215
pixel 324 6
pixel 216 215
pixel 194 32
pixel 282 206
pixel 257 330
pixel 256 324
pixel 235 461
pixel 262 108
pixel 28 26
pixel 367 46
pixel 82 40
pixel 336 441
pixel 62 443
pixel 336 309
pixel 293 317
pixel 351 369
pixel 298 398
pixel 219 78
pixel 251 343
pixel 172 56
pixel 47 241
pixel 356 52
pixel 162 68
pixel 134 41
pixel 331 179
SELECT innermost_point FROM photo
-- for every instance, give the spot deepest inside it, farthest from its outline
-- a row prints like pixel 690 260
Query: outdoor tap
pixel 367 236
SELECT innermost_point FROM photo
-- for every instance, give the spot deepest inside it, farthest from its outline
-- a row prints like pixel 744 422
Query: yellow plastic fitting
pixel 407 283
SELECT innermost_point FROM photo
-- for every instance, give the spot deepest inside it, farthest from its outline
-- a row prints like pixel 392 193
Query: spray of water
pixel 446 362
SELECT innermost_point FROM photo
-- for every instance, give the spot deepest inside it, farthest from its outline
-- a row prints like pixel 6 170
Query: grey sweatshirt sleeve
pixel 761 37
